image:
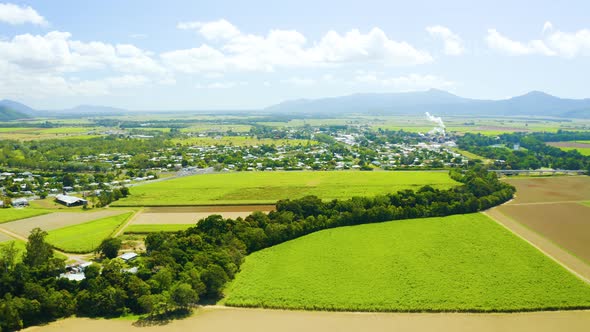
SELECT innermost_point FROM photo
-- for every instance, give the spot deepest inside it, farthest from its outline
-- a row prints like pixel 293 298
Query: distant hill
pixel 12 110
pixel 91 109
pixel 534 103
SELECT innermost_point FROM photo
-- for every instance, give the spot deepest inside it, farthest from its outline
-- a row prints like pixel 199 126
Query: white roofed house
pixel 70 200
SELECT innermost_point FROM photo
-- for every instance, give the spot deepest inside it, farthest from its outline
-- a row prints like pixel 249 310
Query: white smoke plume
pixel 440 125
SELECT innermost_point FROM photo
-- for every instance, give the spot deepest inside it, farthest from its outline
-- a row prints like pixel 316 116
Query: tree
pixel 110 247
pixel 38 251
pixel 8 254
pixel 182 295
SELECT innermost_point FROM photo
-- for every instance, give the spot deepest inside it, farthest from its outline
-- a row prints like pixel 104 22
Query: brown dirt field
pixel 56 220
pixel 191 214
pixel 568 144
pixel 261 320
pixel 551 189
pixel 566 224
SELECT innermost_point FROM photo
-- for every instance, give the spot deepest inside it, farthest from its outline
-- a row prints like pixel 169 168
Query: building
pixel 128 256
pixel 70 200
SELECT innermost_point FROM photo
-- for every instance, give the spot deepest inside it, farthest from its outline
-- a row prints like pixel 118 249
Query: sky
pixel 207 55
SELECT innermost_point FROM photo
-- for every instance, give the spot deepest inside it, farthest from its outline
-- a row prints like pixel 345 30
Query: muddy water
pixel 261 320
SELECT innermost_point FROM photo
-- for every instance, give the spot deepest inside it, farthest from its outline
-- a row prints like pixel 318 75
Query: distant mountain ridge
pixel 534 103
pixel 439 102
pixel 12 110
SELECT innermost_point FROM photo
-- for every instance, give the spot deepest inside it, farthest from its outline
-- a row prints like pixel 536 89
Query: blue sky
pixel 250 54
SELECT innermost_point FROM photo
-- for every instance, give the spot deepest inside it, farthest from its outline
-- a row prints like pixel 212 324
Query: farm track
pixel 218 318
pixel 553 251
pixel 127 223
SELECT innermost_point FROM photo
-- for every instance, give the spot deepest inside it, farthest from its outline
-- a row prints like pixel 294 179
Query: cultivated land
pixel 261 320
pixel 56 220
pixel 153 228
pixel 192 214
pixel 7 215
pixel 86 237
pixel 456 263
pixel 550 213
pixel 582 146
pixel 268 187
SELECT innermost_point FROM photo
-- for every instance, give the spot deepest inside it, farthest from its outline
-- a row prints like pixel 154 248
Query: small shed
pixel 68 200
pixel 128 256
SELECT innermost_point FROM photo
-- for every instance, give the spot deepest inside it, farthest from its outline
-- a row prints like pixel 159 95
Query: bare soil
pixel 261 320
pixel 191 214
pixel 4 237
pixel 56 220
pixel 551 189
pixel 548 213
pixel 568 144
pixel 567 224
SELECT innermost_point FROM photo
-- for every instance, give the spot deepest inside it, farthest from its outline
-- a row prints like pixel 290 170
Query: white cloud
pixel 235 50
pixel 56 52
pixel 452 42
pixel 508 46
pixel 13 14
pixel 220 29
pixel 411 82
pixel 555 42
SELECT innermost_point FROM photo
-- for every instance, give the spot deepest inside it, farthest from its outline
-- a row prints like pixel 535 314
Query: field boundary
pixel 561 256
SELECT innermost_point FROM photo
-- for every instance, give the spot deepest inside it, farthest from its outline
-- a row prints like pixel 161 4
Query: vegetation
pixel 268 187
pixel 455 263
pixel 536 153
pixel 110 247
pixel 185 267
pixel 86 237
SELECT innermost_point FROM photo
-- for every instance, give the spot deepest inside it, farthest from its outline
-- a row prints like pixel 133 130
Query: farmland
pixel 152 228
pixel 553 210
pixel 268 187
pixel 191 214
pixel 83 238
pixel 457 263
pixel 16 214
pixel 56 220
pixel 582 146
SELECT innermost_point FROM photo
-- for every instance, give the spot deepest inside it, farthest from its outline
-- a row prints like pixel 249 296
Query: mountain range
pixel 439 102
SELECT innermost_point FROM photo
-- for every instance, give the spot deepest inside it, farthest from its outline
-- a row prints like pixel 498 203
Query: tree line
pixel 181 269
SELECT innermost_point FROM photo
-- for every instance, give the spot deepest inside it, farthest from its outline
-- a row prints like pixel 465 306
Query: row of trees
pixel 182 268
pixel 535 153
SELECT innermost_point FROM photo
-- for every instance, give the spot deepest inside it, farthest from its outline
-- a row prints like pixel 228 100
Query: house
pixel 128 256
pixel 70 200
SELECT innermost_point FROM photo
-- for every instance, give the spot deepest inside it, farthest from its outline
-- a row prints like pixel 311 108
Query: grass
pixel 456 263
pixel 86 237
pixel 472 156
pixel 583 151
pixel 12 214
pixel 268 187
pixel 22 245
pixel 153 228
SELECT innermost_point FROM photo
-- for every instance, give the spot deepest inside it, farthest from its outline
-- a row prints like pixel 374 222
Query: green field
pixel 153 228
pixel 11 214
pixel 584 151
pixel 268 187
pixel 456 263
pixel 86 237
